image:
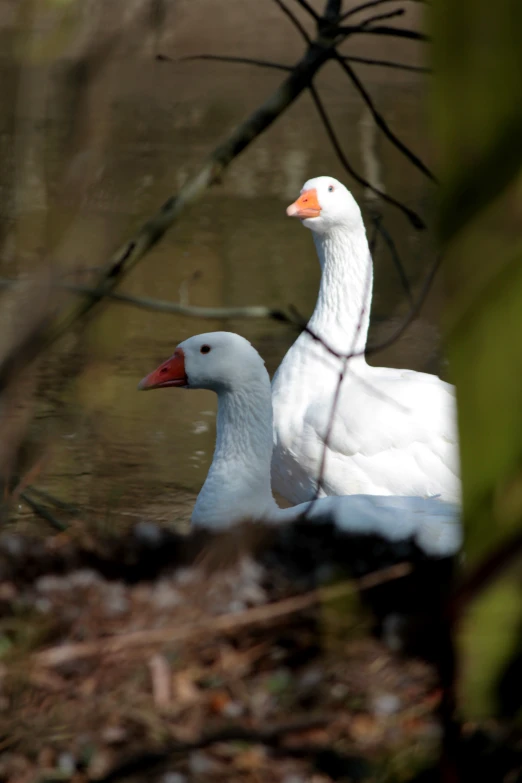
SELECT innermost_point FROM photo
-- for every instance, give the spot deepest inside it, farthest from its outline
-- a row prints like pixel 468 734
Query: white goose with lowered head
pixel 394 431
pixel 237 487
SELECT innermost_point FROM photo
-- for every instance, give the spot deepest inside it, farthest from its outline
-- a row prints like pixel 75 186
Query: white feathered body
pixel 394 431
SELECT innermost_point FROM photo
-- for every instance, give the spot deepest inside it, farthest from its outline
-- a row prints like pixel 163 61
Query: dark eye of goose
pixel 331 188
pixel 205 349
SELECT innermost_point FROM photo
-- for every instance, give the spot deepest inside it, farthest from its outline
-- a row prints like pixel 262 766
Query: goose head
pixel 324 205
pixel 219 361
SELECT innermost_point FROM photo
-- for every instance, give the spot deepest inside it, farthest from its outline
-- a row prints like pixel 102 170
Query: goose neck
pixel 238 482
pixel 342 312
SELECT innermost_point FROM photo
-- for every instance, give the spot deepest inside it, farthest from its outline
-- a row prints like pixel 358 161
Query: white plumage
pixel 237 487
pixel 394 431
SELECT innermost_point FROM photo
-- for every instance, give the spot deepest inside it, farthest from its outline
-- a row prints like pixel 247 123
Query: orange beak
pixel 306 206
pixel 170 373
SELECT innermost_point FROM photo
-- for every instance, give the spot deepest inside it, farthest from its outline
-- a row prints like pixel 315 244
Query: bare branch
pixel 193 311
pixel 381 122
pixel 295 21
pixel 226 59
pixel 393 32
pixel 163 306
pixel 61 504
pixel 308 8
pixel 332 10
pixel 412 216
pixel 283 67
pixel 43 512
pixel 381 17
pixel 126 258
pixel 371 4
pixel 386 64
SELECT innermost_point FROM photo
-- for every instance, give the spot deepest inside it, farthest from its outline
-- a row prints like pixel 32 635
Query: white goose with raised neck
pixel 394 431
pixel 341 315
pixel 237 487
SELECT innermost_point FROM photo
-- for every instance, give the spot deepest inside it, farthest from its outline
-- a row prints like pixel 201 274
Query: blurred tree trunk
pixel 478 115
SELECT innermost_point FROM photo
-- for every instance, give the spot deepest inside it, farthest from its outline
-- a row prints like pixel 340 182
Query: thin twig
pixel 308 8
pixel 393 32
pixel 64 653
pixel 380 121
pixel 283 67
pixel 295 21
pixel 371 4
pixel 412 216
pixel 61 504
pixel 381 17
pixel 193 311
pixel 386 64
pixel 163 306
pixel 42 512
pixel 227 59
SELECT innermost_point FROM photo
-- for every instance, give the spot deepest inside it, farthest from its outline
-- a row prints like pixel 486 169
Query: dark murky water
pixel 92 144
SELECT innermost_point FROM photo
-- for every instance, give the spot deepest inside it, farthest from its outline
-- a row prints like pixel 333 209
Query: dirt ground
pixel 170 659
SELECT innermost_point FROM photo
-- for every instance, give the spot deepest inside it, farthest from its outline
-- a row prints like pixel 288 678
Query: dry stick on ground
pixel 269 735
pixel 65 653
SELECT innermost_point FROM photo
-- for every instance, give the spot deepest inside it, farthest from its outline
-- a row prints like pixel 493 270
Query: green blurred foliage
pixel 478 119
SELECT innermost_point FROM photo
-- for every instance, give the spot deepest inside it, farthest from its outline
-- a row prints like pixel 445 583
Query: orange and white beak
pixel 170 373
pixel 306 206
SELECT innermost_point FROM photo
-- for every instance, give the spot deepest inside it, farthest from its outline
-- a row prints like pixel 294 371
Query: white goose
pixel 394 432
pixel 237 486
